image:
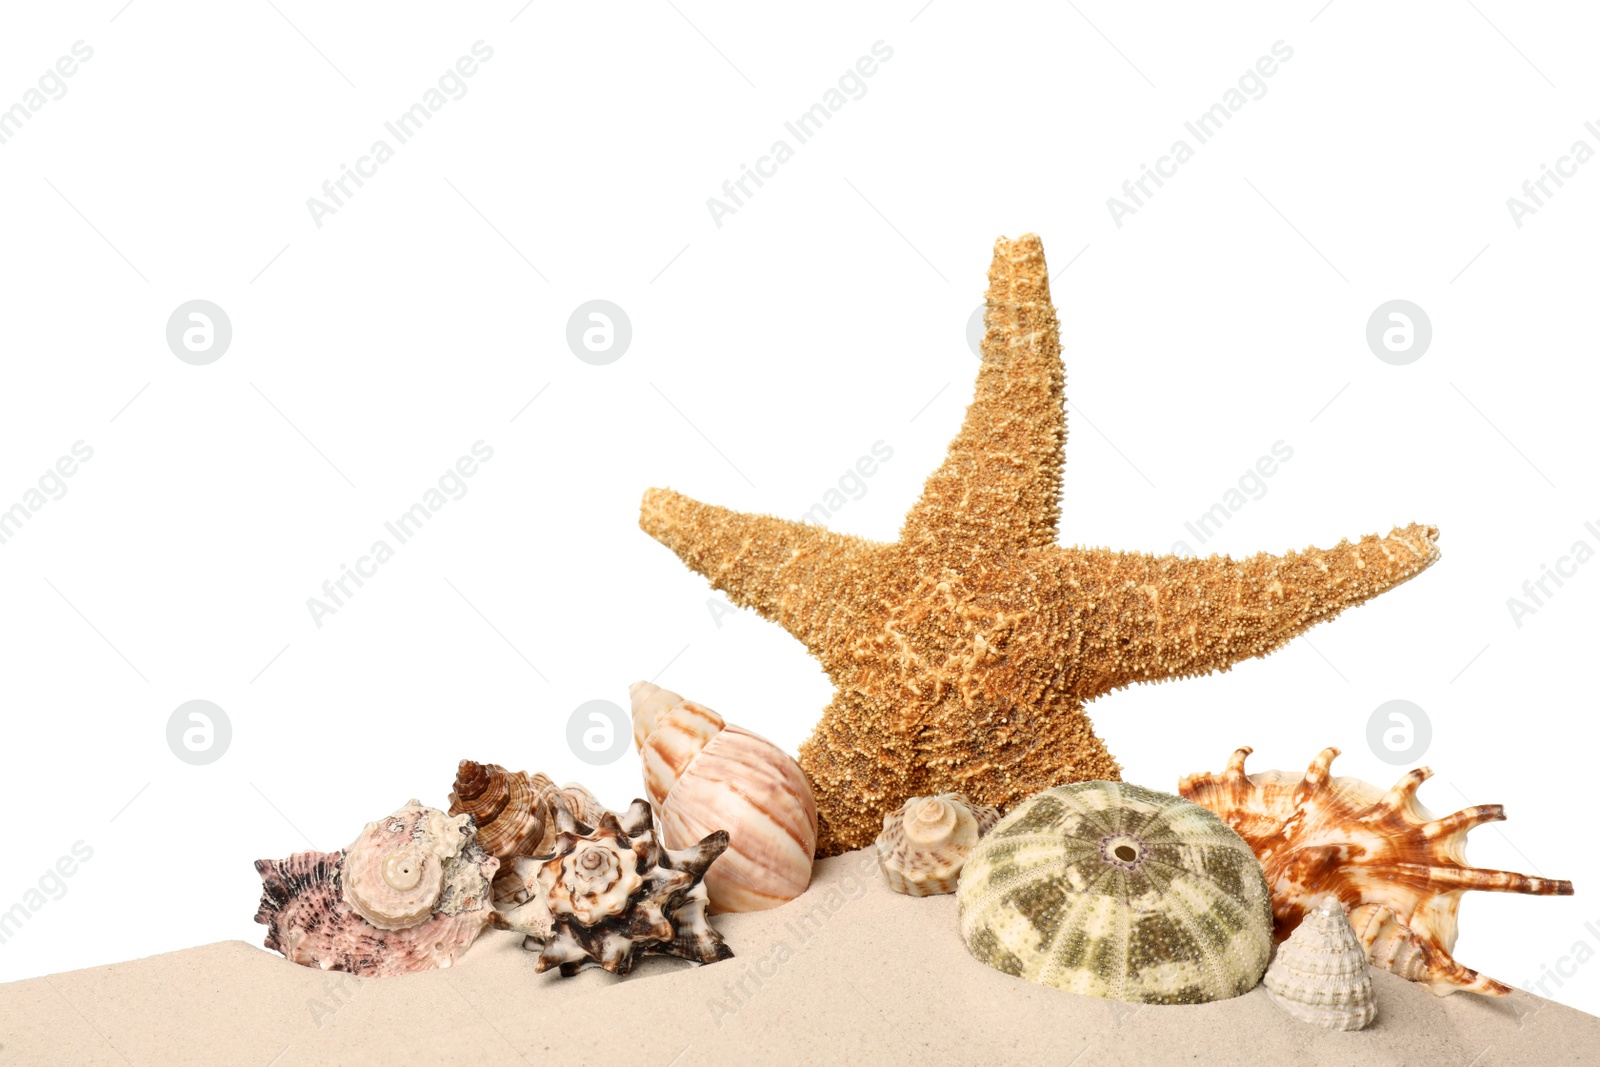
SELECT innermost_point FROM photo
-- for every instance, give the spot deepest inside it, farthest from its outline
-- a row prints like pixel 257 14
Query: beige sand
pixel 849 974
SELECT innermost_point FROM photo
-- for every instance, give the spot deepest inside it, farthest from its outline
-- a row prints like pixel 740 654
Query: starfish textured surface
pixel 962 655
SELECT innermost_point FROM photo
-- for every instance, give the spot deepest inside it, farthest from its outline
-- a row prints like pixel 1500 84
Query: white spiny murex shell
pixel 1320 975
pixel 926 841
pixel 703 775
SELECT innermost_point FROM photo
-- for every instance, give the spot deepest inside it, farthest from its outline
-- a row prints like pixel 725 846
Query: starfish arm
pixel 1148 618
pixel 793 573
pixel 1000 484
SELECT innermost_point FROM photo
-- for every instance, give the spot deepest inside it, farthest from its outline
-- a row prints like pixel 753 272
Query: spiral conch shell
pixel 411 893
pixel 1320 975
pixel 1399 870
pixel 613 892
pixel 513 809
pixel 703 775
pixel 926 841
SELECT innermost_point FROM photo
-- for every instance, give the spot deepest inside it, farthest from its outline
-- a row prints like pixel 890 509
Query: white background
pixel 768 354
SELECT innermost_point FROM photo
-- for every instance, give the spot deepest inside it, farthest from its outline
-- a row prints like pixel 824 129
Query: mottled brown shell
pixel 1399 870
pixel 513 809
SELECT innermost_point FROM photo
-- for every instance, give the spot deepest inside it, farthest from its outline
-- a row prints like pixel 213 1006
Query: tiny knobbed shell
pixel 1320 975
pixel 409 894
pixel 512 809
pixel 926 841
pixel 703 775
pixel 614 893
pixel 1399 870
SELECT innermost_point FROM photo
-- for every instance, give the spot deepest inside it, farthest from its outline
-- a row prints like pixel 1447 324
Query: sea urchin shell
pixel 1117 891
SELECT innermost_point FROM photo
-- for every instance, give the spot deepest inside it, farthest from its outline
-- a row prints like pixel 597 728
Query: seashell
pixel 1117 891
pixel 703 775
pixel 925 842
pixel 1319 974
pixel 1399 870
pixel 512 808
pixel 411 893
pixel 613 892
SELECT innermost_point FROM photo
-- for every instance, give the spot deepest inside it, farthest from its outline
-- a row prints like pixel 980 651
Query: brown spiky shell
pixel 1399 870
pixel 614 893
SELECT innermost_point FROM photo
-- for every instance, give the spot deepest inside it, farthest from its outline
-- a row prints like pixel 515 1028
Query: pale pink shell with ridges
pixel 703 775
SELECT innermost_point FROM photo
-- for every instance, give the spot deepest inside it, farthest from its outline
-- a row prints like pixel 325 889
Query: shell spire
pixel 1398 869
pixel 1320 974
pixel 926 841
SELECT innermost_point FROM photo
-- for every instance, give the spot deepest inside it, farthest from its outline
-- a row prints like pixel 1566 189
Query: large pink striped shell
pixel 703 775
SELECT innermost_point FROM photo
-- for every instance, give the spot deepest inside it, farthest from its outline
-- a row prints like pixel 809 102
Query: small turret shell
pixel 926 841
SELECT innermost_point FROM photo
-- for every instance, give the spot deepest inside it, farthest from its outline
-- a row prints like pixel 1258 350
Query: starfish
pixel 963 654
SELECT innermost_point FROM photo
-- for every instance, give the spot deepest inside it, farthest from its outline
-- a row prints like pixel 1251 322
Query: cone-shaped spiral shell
pixel 1320 976
pixel 429 869
pixel 614 892
pixel 512 809
pixel 926 841
pixel 1113 890
pixel 703 775
pixel 1399 870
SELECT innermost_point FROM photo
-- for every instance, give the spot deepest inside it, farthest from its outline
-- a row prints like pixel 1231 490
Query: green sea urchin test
pixel 1117 891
